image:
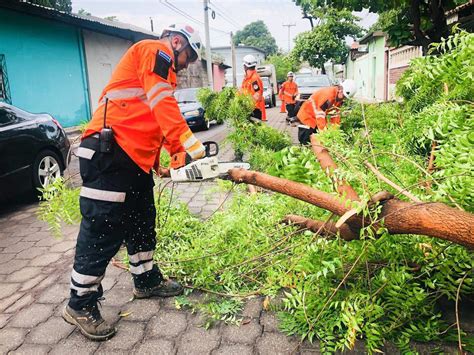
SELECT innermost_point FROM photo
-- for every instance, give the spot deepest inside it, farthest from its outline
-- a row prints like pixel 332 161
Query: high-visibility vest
pixel 252 85
pixel 141 108
pixel 289 90
pixel 313 111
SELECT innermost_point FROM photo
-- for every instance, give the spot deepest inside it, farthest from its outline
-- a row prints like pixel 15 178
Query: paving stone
pixel 128 334
pixel 50 332
pixel 276 343
pixel 245 333
pixel 167 324
pixel 24 274
pixel 269 322
pixel 8 289
pixel 155 347
pixel 31 316
pixel 25 230
pixel 169 303
pixel 8 301
pixel 199 341
pixel 253 308
pixel 11 338
pixel 20 303
pixel 45 259
pixel 47 242
pixel 4 319
pixel 31 253
pixel 27 285
pixel 63 246
pixel 117 297
pixel 35 237
pixel 48 281
pixel 107 284
pixel 57 293
pixel 13 266
pixel 31 349
pixel 19 216
pixel 4 258
pixel 141 310
pixel 239 349
pixel 18 247
pixel 75 344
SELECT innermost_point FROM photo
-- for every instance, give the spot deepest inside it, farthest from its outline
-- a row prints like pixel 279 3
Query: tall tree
pixel 283 64
pixel 62 5
pixel 326 41
pixel 418 22
pixel 257 34
pixel 84 12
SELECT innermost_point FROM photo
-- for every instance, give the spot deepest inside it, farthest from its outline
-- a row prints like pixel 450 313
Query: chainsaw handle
pixel 208 146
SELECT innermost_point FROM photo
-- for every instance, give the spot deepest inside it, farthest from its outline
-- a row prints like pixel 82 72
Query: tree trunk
pixel 399 217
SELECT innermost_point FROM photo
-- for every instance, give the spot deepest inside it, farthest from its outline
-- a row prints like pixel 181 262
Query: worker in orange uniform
pixel 282 106
pixel 313 112
pixel 137 115
pixel 252 85
pixel 289 91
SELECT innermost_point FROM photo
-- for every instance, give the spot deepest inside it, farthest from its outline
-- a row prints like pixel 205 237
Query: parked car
pixel 268 93
pixel 33 150
pixel 309 84
pixel 191 108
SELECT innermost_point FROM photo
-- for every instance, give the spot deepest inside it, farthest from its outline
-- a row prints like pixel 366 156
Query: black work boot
pixel 167 288
pixel 90 323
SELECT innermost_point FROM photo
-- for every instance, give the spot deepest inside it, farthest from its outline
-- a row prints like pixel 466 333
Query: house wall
pixel 399 62
pixel 103 53
pixel 45 63
pixel 218 77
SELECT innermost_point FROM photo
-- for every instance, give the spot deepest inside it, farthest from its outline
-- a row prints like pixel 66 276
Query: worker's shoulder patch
pixel 162 64
pixel 255 85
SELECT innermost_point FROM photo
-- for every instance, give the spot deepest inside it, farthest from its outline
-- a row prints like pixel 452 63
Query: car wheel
pixel 206 125
pixel 46 168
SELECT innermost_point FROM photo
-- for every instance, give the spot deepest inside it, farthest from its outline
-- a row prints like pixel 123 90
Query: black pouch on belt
pixel 106 137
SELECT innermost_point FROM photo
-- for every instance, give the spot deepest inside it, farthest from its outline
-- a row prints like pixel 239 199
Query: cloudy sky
pixel 231 15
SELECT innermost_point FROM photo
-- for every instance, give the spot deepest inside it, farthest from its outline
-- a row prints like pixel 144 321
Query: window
pixel 4 87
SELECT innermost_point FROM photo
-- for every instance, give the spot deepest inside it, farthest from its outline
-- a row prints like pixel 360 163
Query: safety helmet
pixel 290 73
pixel 250 61
pixel 189 33
pixel 349 88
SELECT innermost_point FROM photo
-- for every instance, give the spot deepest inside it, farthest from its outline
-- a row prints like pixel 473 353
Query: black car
pixel 191 109
pixel 33 150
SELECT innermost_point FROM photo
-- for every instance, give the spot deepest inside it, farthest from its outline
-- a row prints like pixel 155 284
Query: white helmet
pixel 349 88
pixel 189 33
pixel 250 61
pixel 290 73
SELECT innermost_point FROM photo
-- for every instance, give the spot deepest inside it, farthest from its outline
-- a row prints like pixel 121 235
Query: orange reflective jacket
pixel 142 110
pixel 289 90
pixel 313 111
pixel 252 85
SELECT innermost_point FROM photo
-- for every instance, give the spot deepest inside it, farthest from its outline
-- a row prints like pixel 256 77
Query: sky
pixel 230 15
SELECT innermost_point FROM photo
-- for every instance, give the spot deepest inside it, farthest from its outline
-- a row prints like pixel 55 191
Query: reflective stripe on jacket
pixel 142 110
pixel 315 108
pixel 252 85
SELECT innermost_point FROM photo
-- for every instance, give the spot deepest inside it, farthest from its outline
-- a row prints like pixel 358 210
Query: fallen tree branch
pixel 327 228
pixel 328 165
pixel 391 183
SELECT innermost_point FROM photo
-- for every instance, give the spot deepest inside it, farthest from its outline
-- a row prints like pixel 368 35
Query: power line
pixel 225 16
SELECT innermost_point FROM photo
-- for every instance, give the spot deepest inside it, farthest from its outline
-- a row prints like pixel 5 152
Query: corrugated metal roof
pixel 97 24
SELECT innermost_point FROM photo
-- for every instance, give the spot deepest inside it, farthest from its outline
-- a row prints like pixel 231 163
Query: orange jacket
pixel 142 110
pixel 313 111
pixel 252 85
pixel 289 90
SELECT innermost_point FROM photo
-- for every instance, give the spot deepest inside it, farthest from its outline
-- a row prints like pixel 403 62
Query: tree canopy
pixel 283 64
pixel 412 22
pixel 257 34
pixel 62 5
pixel 326 41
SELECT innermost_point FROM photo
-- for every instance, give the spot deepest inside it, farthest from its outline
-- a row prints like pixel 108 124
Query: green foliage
pixel 62 5
pixel 283 64
pixel 216 104
pixel 257 34
pixel 327 40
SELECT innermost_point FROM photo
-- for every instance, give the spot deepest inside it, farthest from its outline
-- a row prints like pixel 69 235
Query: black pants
pixel 290 108
pixel 117 205
pixel 257 113
pixel 304 134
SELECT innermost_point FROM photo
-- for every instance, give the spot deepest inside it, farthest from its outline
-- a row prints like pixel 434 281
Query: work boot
pixel 167 288
pixel 90 323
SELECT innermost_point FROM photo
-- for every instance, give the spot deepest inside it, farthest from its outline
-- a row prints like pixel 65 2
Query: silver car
pixel 309 84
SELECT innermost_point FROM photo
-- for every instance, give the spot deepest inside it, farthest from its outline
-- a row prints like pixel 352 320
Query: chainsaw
pixel 184 169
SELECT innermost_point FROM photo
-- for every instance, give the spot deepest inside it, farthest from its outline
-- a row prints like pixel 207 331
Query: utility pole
pixel 289 27
pixel 151 24
pixel 234 64
pixel 208 44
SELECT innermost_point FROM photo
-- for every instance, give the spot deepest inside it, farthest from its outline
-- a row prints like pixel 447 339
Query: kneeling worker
pixel 313 112
pixel 137 115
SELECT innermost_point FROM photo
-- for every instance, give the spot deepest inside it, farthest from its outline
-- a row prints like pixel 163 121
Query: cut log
pixel 399 217
pixel 326 228
pixel 328 165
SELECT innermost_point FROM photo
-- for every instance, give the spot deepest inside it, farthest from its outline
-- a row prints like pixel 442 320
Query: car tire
pixel 206 125
pixel 47 166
